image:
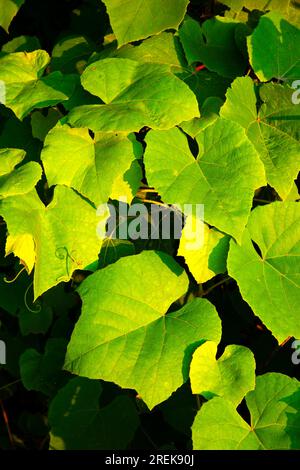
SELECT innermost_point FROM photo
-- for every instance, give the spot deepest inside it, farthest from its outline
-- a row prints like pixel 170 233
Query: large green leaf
pixel 274 48
pixel 58 238
pixel 130 103
pixel 123 334
pixel 8 10
pixel 25 88
pixel 274 130
pixel 213 43
pixel 136 20
pixel 204 250
pixel 269 281
pixel 100 168
pixel 20 180
pixel 223 178
pixel 230 377
pixel 274 407
pixel 78 422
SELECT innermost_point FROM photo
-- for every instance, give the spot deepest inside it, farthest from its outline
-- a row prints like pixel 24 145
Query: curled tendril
pixel 10 281
pixel 64 254
pixel 39 307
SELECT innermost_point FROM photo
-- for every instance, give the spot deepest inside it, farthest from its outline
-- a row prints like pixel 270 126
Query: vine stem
pixel 227 278
pixel 262 200
pixel 9 385
pixel 6 421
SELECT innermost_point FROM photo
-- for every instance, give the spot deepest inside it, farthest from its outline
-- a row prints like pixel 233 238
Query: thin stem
pixel 155 202
pixel 262 200
pixel 147 190
pixel 216 285
pixel 10 384
pixel 5 418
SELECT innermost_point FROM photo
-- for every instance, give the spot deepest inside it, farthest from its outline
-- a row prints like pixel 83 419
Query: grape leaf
pixel 70 54
pixel 8 10
pixel 43 372
pixel 269 281
pixel 42 123
pixel 230 377
pixel 25 88
pixel 143 18
pixel 237 5
pixel 274 130
pixel 130 103
pixel 62 237
pixel 223 178
pixel 99 168
pixel 124 308
pixel 9 158
pixel 205 251
pixel 87 425
pixel 213 43
pixel 20 181
pixel 279 56
pixel 274 407
pixel 163 49
pixel 22 44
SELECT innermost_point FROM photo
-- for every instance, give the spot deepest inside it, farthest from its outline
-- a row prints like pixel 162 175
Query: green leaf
pixel 22 44
pixel 35 322
pixel 274 407
pixel 21 180
pixel 204 250
pixel 42 123
pixel 8 10
pixel 263 5
pixel 42 372
pixel 213 43
pixel 279 56
pixel 270 282
pixel 124 308
pixel 12 294
pixel 9 158
pixel 163 49
pixel 205 84
pixel 99 168
pixel 17 181
pixel 87 425
pixel 230 377
pixel 130 103
pixel 114 249
pixel 132 21
pixel 71 54
pixel 274 130
pixel 223 178
pixel 59 238
pixel 25 88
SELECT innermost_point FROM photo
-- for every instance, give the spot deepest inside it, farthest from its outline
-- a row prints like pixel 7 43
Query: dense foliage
pixel 111 342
